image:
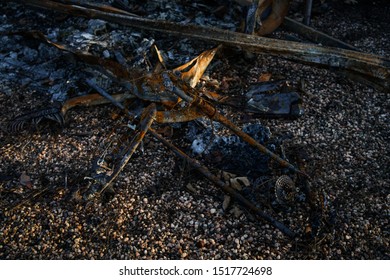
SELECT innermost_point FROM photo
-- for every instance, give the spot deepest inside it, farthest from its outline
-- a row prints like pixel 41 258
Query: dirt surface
pixel 160 208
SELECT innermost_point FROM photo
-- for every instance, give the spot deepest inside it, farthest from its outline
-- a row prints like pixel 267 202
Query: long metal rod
pixel 314 35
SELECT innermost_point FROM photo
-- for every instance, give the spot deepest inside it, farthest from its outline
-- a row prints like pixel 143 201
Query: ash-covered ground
pixel 160 207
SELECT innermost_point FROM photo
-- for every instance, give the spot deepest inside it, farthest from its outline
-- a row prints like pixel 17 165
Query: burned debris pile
pixel 161 86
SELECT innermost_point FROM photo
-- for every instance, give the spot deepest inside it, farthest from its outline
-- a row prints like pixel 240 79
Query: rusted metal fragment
pixel 92 100
pixel 374 68
pixel 192 71
pixel 315 210
pixel 180 115
pixel 264 16
pixel 279 9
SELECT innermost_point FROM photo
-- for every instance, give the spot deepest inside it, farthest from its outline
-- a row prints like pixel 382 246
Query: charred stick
pixel 32 196
pixel 100 7
pixel 375 68
pixel 147 118
pixel 146 122
pixel 315 35
pixel 105 94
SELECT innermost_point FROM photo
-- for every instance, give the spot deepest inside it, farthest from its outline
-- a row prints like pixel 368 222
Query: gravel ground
pixel 162 209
